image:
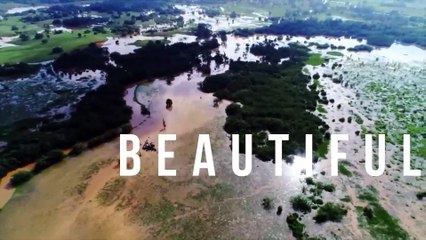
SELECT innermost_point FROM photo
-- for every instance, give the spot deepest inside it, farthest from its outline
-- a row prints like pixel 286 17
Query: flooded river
pixel 66 196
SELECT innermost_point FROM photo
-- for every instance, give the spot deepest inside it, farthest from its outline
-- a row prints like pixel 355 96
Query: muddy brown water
pixel 233 211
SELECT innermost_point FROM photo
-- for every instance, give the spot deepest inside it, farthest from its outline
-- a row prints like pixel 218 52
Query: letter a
pixel 204 143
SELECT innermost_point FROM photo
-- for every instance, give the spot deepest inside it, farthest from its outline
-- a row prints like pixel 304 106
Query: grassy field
pixel 335 53
pixel 35 51
pixel 6 27
pixel 315 59
pixel 379 223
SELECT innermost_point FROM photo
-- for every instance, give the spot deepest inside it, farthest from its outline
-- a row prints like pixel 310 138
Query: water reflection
pixel 45 93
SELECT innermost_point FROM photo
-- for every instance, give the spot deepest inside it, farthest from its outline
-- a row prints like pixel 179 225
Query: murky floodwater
pixel 44 93
pixel 194 14
pixel 23 9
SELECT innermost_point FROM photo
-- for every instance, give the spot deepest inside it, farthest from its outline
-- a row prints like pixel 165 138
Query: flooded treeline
pixel 102 114
pixel 375 34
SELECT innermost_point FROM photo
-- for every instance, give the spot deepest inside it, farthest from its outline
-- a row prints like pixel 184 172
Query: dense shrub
pixel 421 195
pixel 361 48
pixel 328 187
pixel 301 204
pixel 20 178
pixel 126 128
pixel 108 136
pixel 267 203
pixel 330 212
pixel 309 181
pixel 203 31
pixel 77 149
pixel 233 109
pixel 57 50
pixel 296 227
pixel 48 160
pixel 215 83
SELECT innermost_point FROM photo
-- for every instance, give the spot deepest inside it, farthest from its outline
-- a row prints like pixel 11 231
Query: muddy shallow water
pixel 66 196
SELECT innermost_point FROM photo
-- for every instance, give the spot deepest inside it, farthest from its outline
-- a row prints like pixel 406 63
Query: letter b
pixel 133 154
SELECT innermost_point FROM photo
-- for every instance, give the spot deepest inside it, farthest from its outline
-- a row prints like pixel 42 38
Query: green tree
pixel 57 50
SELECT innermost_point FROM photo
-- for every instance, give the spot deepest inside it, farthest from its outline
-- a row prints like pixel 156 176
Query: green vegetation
pixel 95 167
pixel 317 201
pixel 335 53
pixel 217 192
pixel 77 149
pixel 407 8
pixel 376 33
pixel 20 178
pixel 315 59
pixel 281 104
pixel 368 195
pixel 321 109
pixel 421 195
pixel 330 212
pixel 104 105
pixel 267 203
pixel 111 191
pixel 346 198
pixel 79 189
pixel 394 104
pixel 170 33
pixel 11 25
pixel 322 149
pixel 141 43
pixel 126 128
pixel 51 158
pixel 361 48
pixel 358 119
pixel 158 212
pixel 310 181
pixel 296 227
pixel 343 170
pixel 328 187
pixel 301 204
pixel 379 223
pixel 317 187
pixel 35 51
pixel 109 135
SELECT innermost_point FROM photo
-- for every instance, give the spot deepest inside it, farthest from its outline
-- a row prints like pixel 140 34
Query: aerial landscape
pixel 75 75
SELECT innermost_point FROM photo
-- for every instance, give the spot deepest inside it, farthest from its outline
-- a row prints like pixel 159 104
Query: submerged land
pixel 76 75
